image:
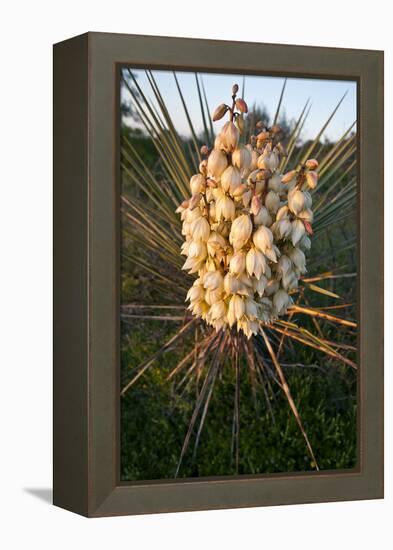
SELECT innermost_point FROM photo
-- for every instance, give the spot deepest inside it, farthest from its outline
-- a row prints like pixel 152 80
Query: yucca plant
pixel 245 199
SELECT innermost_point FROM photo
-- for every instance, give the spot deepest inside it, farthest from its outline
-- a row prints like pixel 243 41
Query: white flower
pixel 296 201
pixel 240 231
pixel 272 201
pixel 272 253
pixel 241 158
pixel 251 309
pixel 236 307
pixel 195 293
pixel 312 179
pixel 306 215
pixel 238 263
pixel 200 229
pixel 275 183
pixel 259 285
pixel 263 238
pixel 231 284
pixel 215 243
pixel 230 179
pixel 192 265
pixel 218 310
pixel 213 280
pixel 225 208
pixel 246 235
pixel 216 164
pixel 281 301
pixel 282 228
pixel 284 264
pixel 246 198
pixel 305 243
pixel 197 249
pixel 255 263
pixel 213 296
pixel 271 287
pixel 282 213
pixel 263 217
pixel 197 184
pixel 229 136
pixel 298 231
pixel 298 259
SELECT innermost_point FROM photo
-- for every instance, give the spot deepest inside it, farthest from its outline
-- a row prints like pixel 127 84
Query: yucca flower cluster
pixel 246 226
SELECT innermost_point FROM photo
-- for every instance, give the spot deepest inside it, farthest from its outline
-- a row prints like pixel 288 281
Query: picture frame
pixel 86 406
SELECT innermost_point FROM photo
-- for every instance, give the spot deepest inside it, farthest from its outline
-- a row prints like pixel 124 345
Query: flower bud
pixel 241 105
pixel 312 179
pixel 220 112
pixel 240 123
pixel 235 89
pixel 308 228
pixel 312 164
pixel 289 176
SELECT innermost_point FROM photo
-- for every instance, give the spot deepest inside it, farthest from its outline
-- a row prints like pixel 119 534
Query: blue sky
pixel 324 96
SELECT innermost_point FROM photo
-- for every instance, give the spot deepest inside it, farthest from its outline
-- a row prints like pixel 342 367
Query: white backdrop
pixel 28 30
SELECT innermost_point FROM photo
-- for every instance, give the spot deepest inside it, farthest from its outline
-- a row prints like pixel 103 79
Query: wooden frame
pixel 86 274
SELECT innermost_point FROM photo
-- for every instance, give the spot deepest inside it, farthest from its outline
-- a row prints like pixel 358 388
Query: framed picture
pixel 218 274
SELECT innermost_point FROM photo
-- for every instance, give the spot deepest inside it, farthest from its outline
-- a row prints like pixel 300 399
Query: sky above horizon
pixel 264 91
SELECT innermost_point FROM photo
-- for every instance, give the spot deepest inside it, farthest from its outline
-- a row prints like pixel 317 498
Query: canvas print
pixel 238 275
